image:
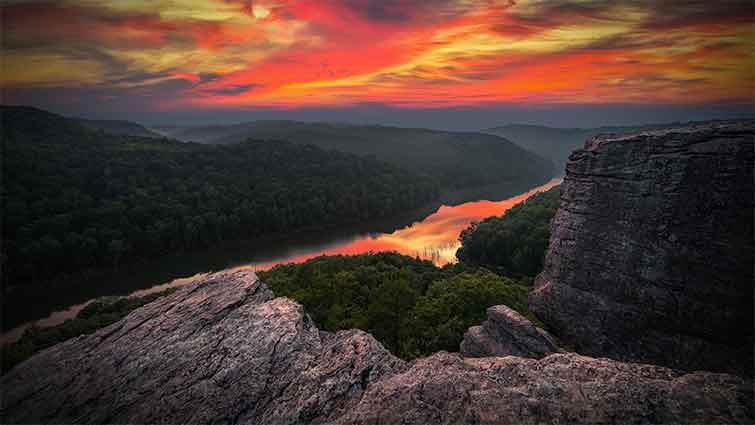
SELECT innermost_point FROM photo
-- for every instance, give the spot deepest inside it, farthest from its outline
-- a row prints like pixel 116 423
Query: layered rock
pixel 507 333
pixel 651 251
pixel 224 350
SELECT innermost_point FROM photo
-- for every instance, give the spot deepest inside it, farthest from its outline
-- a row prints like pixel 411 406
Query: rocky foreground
pixel 225 350
pixel 648 262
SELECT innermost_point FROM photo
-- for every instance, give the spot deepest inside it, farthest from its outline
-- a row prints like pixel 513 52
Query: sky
pixel 435 63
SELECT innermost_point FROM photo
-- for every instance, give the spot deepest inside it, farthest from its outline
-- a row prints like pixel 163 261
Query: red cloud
pixel 406 53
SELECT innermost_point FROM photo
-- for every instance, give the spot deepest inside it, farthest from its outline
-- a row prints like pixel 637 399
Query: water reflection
pixel 433 238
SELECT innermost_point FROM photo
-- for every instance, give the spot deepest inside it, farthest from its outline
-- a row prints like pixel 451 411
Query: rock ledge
pixel 224 350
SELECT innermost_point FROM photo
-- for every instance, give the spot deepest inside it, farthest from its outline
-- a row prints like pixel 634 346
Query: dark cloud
pixel 99 100
pixel 662 14
pixel 208 77
pixel 652 79
pixel 137 77
pixel 60 23
pixel 404 11
pixel 232 90
pixel 679 13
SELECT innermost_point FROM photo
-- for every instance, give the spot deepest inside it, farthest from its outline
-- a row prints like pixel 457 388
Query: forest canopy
pixel 76 199
pixel 515 243
pixel 411 306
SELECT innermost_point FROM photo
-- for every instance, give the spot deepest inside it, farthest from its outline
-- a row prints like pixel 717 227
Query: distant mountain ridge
pixel 456 159
pixel 119 127
pixel 556 144
pixel 37 125
pixel 47 126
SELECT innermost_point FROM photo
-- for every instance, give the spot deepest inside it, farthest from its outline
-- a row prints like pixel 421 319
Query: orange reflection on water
pixel 435 238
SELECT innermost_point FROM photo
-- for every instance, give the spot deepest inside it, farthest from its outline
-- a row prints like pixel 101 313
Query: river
pixel 429 235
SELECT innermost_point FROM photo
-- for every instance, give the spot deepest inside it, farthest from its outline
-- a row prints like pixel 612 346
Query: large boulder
pixel 224 350
pixel 651 251
pixel 507 333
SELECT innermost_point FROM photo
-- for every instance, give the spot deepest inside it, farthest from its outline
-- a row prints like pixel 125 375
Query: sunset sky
pixel 273 56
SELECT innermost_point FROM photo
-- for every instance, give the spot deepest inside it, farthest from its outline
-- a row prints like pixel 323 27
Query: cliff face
pixel 651 251
pixel 224 350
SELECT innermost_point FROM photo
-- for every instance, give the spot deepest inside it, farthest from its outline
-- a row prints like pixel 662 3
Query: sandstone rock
pixel 224 350
pixel 558 389
pixel 221 350
pixel 651 251
pixel 507 333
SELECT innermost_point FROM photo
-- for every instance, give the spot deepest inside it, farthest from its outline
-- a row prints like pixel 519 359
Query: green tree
pixel 514 244
pixel 411 306
pixel 116 248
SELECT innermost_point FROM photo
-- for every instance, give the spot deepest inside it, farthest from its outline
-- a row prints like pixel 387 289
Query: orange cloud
pixel 293 53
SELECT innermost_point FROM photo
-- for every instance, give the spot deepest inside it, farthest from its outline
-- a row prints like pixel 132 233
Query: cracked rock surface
pixel 651 252
pixel 224 350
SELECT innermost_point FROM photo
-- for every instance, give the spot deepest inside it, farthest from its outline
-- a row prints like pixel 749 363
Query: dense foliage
pixel 411 306
pixel 75 199
pixel 96 315
pixel 514 244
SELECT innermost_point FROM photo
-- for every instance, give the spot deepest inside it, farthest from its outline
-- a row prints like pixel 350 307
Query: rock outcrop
pixel 507 333
pixel 224 350
pixel 651 251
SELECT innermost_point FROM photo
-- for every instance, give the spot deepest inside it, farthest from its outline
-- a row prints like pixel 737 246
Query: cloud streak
pixel 169 55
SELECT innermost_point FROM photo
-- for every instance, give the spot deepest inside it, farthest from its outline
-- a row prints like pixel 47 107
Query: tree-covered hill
pixel 119 127
pixel 515 243
pixel 75 199
pixel 456 160
pixel 411 306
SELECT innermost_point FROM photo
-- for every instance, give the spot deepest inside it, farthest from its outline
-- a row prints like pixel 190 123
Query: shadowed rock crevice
pixel 224 350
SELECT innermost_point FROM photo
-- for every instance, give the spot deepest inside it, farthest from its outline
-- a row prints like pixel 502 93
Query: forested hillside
pixel 515 243
pixel 119 127
pixel 75 199
pixel 455 160
pixel 411 306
